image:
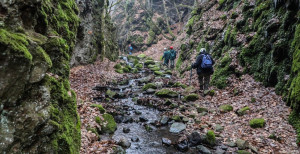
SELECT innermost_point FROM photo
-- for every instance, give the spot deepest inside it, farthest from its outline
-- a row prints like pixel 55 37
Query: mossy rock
pixel 225 108
pixel 118 66
pixel 257 123
pixel 169 72
pixel 191 97
pixel 120 71
pixel 141 56
pixel 243 111
pixel 178 84
pixel 155 69
pixel 209 92
pixel 110 94
pixel 138 66
pixel 210 138
pixel 166 93
pixel 125 69
pixel 148 86
pixel 176 118
pixel 151 66
pixel 100 107
pixel 243 152
pixel 158 73
pixel 201 109
pixel 149 62
pixel 135 71
pixel 107 123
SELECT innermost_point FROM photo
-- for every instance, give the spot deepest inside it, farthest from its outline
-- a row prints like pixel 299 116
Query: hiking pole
pixel 191 76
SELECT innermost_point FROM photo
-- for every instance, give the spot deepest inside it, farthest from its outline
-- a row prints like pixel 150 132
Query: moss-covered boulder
pixel 100 107
pixel 125 70
pixel 135 70
pixel 191 97
pixel 155 69
pixel 148 86
pixel 166 93
pixel 107 123
pixel 225 108
pixel 209 92
pixel 243 111
pixel 138 66
pixel 149 62
pixel 178 84
pixel 110 94
pixel 141 56
pixel 257 123
pixel 176 118
pixel 118 66
pixel 120 71
pixel 210 138
pixel 158 73
pixel 169 72
pixel 201 109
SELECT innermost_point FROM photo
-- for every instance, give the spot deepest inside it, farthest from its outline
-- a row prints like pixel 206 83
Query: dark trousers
pixel 204 80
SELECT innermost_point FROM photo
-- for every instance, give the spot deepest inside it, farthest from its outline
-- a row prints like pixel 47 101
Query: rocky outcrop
pixel 37 107
pixel 142 23
pixel 96 33
pixel 255 37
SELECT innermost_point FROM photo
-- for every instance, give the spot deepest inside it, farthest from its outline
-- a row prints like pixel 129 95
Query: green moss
pixel 43 55
pixel 120 71
pixel 158 73
pixel 243 152
pixel 148 86
pixel 135 71
pixel 166 93
pixel 17 42
pixel 168 72
pixel 138 66
pixel 210 137
pixel 126 69
pixel 191 97
pixel 201 109
pixel 253 100
pixel 63 115
pixel 221 2
pixel 223 17
pixel 243 111
pixel 141 56
pixel 118 66
pixel 149 62
pixel 209 92
pixel 178 84
pixel 155 68
pixel 100 107
pixel 176 118
pixel 222 71
pixel 107 123
pixel 257 123
pixel 110 94
pixel 226 108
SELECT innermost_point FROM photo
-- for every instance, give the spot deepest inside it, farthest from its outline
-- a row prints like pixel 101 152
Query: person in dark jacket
pixel 203 73
pixel 172 56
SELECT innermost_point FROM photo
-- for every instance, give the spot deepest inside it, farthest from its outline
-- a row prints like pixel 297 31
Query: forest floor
pixel 242 92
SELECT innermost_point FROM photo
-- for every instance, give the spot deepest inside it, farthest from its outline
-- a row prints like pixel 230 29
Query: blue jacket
pixel 173 54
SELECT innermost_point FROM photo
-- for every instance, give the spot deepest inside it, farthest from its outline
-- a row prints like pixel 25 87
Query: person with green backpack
pixel 204 65
pixel 166 57
pixel 172 56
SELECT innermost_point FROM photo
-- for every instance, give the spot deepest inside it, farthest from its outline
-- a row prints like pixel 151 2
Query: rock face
pixel 37 107
pixel 96 33
pixel 140 23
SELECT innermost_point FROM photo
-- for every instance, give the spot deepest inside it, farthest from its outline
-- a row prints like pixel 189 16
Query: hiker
pixel 130 49
pixel 166 57
pixel 172 56
pixel 204 64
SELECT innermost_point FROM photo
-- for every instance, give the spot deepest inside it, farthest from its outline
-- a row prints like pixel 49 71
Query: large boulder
pixel 107 123
pixel 177 127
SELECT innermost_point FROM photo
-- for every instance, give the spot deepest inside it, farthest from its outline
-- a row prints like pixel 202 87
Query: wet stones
pixel 203 149
pixel 183 146
pixel 166 141
pixel 143 119
pixel 124 142
pixel 177 127
pixel 135 139
pixel 164 120
pixel 195 139
pixel 126 130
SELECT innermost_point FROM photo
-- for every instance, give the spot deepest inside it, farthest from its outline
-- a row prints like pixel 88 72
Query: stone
pixel 201 109
pixel 176 118
pixel 202 149
pixel 243 152
pixel 159 84
pixel 127 119
pixel 137 112
pixel 241 144
pixel 185 119
pixel 177 127
pixel 164 120
pixel 182 146
pixel 257 123
pixel 150 91
pixel 220 151
pixel 166 93
pixel 124 142
pixel 107 123
pixel 209 92
pixel 166 141
pixel 194 139
pixel 253 148
pixel 191 97
pixel 143 119
pixel 119 119
pixel 225 108
pixel 135 139
pixel 110 94
pixel 158 73
pixel 148 86
pixel 126 130
pixel 219 128
pixel 243 111
pixel 231 144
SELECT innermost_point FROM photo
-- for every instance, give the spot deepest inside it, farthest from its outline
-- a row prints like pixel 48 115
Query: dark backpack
pixel 206 62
